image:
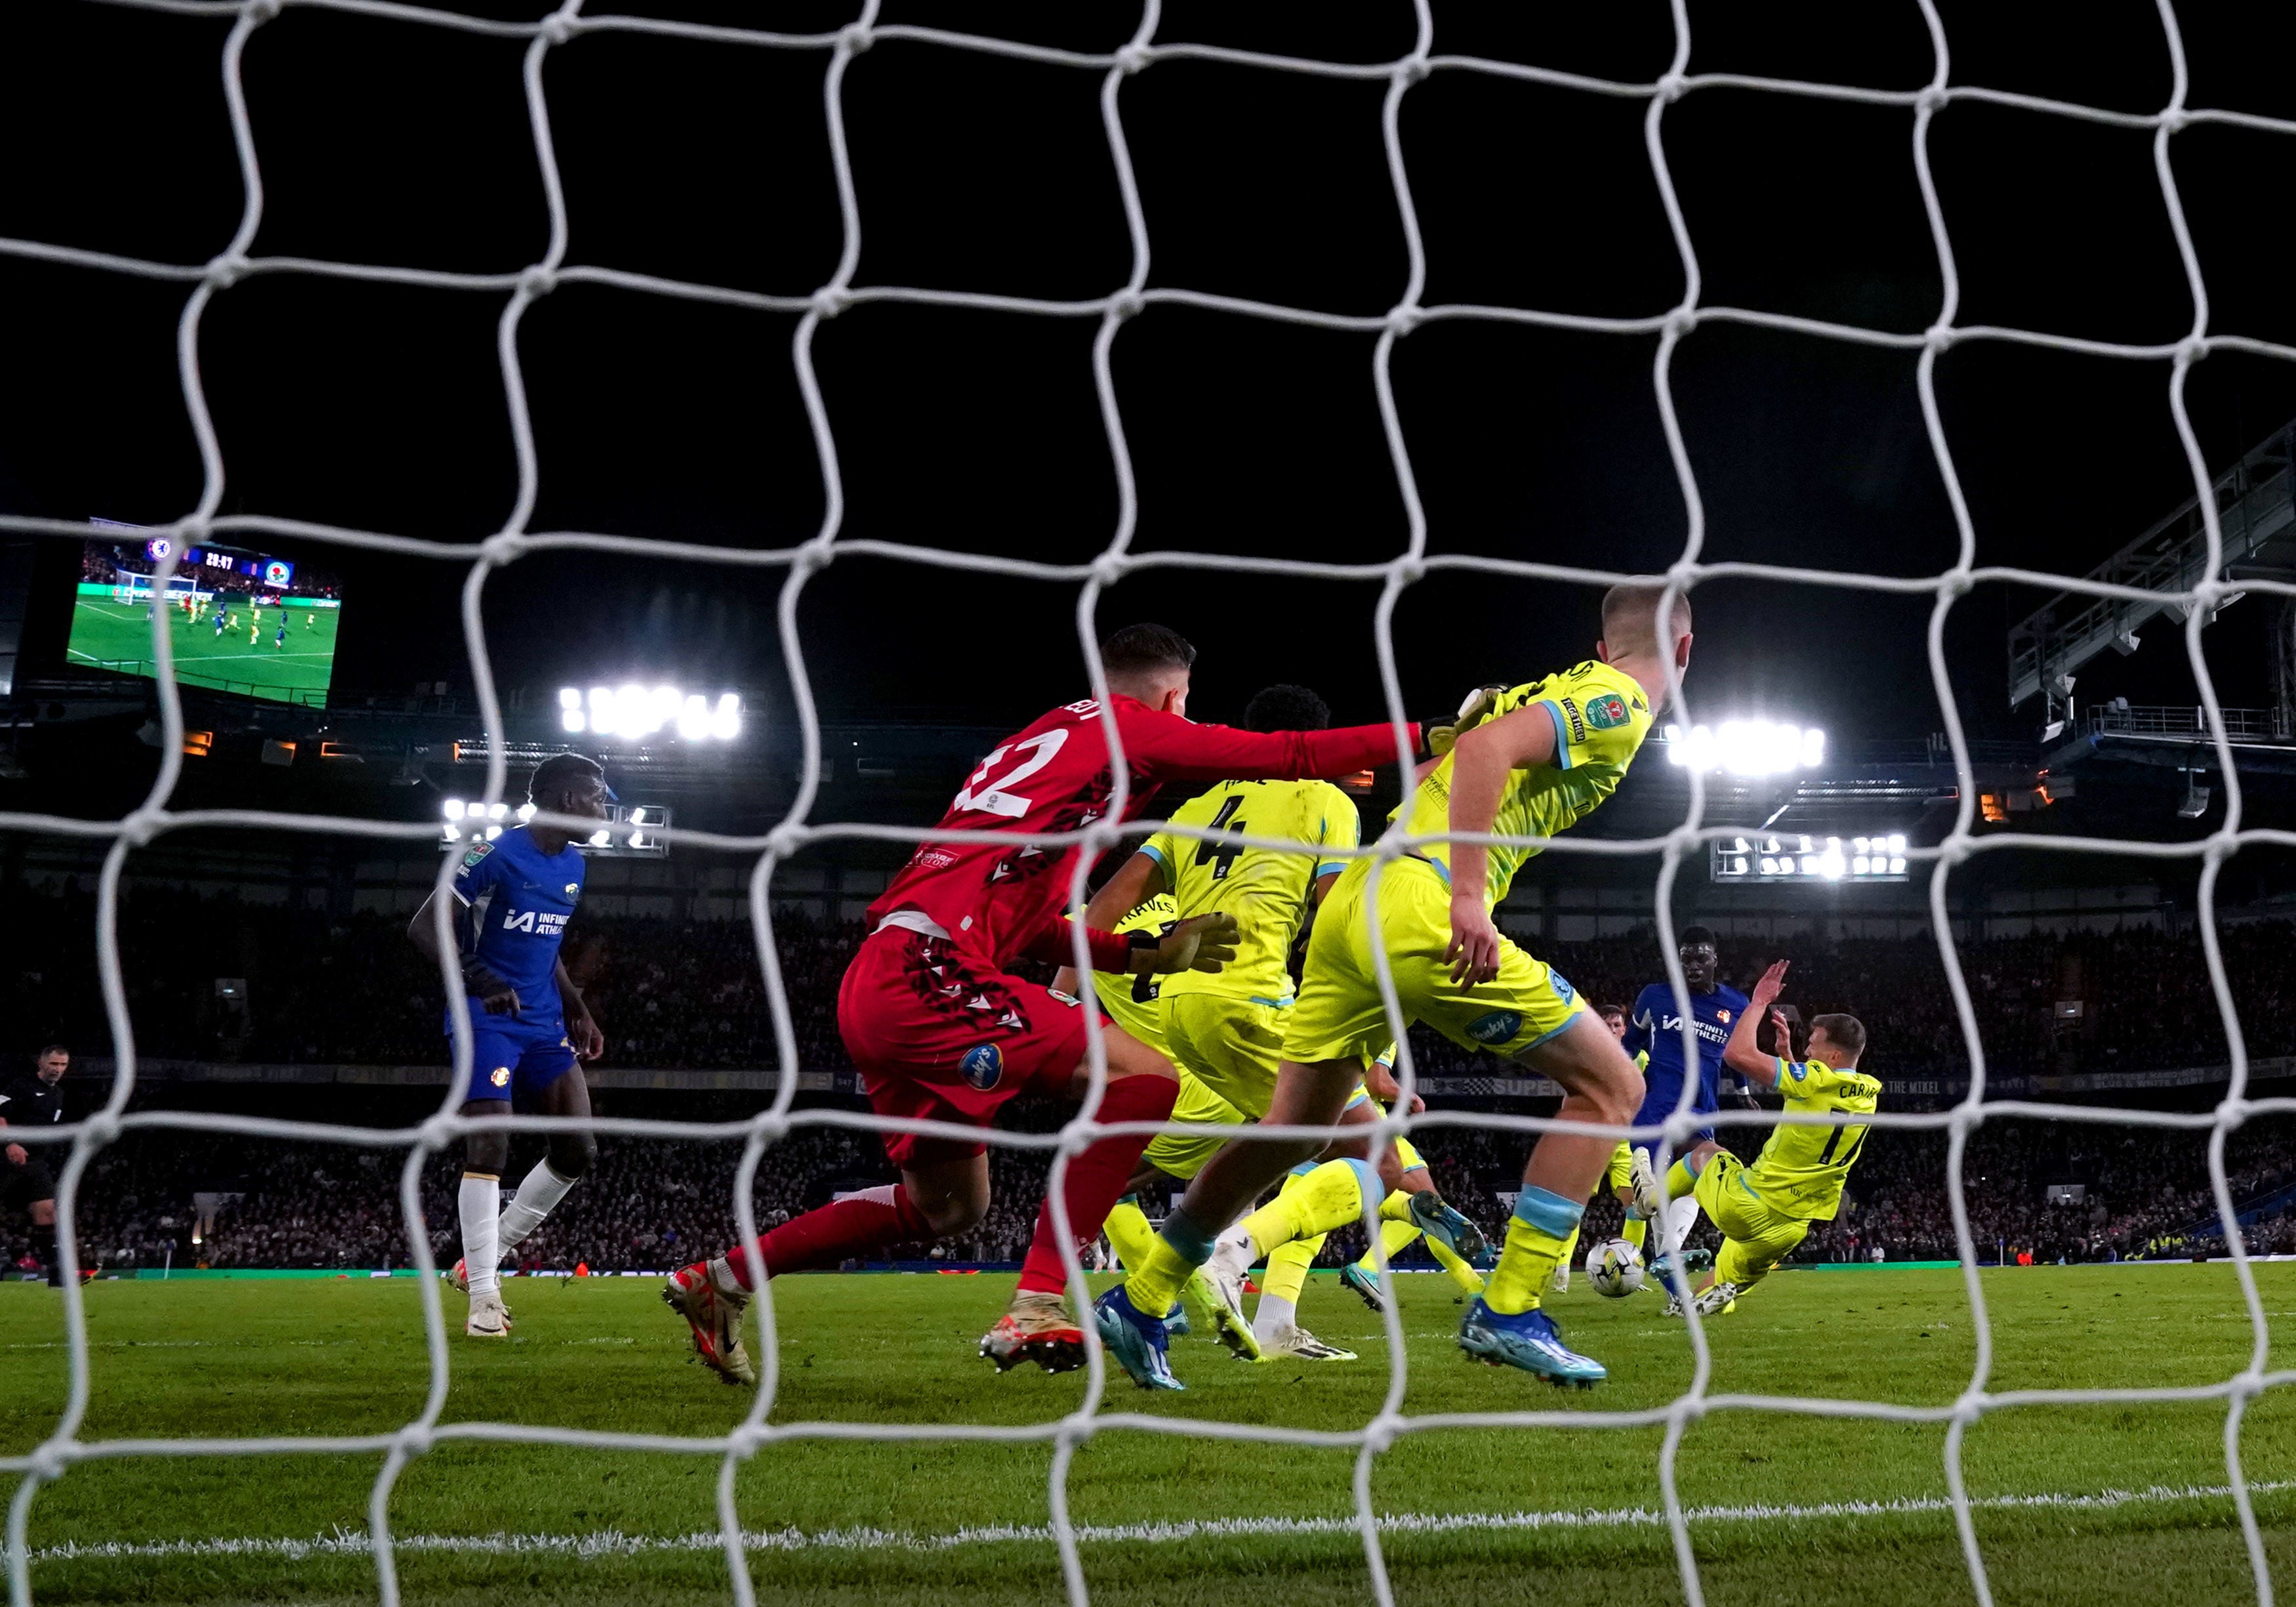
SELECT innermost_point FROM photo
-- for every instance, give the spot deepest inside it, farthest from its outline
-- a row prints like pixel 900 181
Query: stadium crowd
pixel 2138 1193
pixel 688 995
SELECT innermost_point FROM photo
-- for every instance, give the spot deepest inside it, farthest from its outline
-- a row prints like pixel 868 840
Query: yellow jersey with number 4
pixel 1268 890
pixel 1800 1171
pixel 1600 716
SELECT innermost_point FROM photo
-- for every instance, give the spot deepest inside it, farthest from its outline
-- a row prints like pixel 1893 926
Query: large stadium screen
pixel 238 622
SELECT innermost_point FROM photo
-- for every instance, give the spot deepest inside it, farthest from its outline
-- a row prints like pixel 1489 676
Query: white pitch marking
pixel 344 1542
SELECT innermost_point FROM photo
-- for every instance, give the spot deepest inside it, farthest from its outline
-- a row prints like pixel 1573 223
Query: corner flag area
pixel 107 634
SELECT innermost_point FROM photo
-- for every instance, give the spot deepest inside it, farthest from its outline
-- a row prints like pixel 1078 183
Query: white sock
pixel 1681 1216
pixel 1272 1317
pixel 480 1204
pixel 1235 1250
pixel 721 1274
pixel 537 1195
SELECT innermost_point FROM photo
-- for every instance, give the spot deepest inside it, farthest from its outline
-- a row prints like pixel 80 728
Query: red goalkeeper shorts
pixel 943 1035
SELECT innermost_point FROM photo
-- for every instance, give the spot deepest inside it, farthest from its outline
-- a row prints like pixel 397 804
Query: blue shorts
pixel 1652 1113
pixel 507 1059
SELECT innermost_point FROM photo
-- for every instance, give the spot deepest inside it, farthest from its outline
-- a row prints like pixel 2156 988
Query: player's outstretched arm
pixel 1138 880
pixel 1166 747
pixel 1481 763
pixel 1740 1054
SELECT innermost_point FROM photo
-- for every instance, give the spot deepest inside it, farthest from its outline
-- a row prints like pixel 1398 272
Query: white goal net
pixel 204 282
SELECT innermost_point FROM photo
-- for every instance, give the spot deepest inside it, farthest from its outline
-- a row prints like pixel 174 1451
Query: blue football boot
pixel 1136 1339
pixel 1447 1227
pixel 1527 1340
pixel 1353 1276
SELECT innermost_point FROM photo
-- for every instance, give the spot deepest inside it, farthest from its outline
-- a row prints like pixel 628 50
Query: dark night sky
pixel 381 407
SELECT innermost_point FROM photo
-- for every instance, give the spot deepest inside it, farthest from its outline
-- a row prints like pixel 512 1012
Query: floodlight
pixel 1746 747
pixel 1803 858
pixel 693 717
pixel 632 710
pixel 599 840
pixel 454 809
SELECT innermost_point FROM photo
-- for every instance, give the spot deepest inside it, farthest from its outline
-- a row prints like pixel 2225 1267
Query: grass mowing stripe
pixel 615 1543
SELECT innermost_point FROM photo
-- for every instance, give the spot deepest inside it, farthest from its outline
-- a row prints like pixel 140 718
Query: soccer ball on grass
pixel 1615 1269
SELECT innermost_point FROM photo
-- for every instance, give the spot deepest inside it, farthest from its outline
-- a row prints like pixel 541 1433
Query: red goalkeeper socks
pixel 1096 1178
pixel 834 1233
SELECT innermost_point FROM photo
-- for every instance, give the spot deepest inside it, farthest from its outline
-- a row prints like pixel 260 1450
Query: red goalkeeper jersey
pixel 995 898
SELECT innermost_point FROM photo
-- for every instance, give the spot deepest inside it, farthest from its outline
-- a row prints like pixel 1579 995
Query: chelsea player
pixel 513 896
pixel 1655 1033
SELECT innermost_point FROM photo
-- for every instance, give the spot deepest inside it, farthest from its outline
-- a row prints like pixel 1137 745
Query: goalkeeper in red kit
pixel 941 1030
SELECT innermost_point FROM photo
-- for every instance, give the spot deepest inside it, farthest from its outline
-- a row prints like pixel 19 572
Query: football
pixel 1615 1269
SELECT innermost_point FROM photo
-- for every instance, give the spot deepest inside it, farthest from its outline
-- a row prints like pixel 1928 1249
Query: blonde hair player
pixel 1551 752
pixel 1764 1211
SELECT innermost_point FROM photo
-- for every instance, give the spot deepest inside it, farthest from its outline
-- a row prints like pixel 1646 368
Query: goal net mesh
pixel 81 1141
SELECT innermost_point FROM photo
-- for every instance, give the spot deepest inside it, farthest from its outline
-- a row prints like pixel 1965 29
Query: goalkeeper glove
pixel 1442 734
pixel 1202 943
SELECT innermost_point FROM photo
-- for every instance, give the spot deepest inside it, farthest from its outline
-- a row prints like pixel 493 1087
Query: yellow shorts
pixel 1619 1174
pixel 1338 1015
pixel 1232 1045
pixel 1754 1237
pixel 1183 1155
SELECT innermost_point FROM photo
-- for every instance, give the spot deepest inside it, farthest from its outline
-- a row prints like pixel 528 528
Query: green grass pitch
pixel 2075 1505
pixel 105 632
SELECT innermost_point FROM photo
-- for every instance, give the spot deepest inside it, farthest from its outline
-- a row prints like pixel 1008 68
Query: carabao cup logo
pixel 982 1065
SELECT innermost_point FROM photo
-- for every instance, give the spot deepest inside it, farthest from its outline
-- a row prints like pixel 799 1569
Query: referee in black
pixel 33 1098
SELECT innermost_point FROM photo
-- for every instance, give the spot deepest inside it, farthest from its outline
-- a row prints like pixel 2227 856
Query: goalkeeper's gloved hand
pixel 1202 943
pixel 1442 734
pixel 495 995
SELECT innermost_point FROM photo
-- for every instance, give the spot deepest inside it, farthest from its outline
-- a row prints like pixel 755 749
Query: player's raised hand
pixel 1773 983
pixel 1442 735
pixel 1202 943
pixel 1781 1034
pixel 1475 952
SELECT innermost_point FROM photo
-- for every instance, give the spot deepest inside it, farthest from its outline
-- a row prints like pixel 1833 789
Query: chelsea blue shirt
pixel 516 902
pixel 1656 1026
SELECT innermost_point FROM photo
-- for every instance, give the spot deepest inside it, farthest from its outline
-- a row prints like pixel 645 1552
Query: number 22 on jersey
pixel 996 798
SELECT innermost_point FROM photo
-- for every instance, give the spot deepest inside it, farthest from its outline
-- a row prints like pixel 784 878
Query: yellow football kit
pixel 1599 716
pixel 1184 1154
pixel 1763 1210
pixel 1227 1027
pixel 1135 1003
